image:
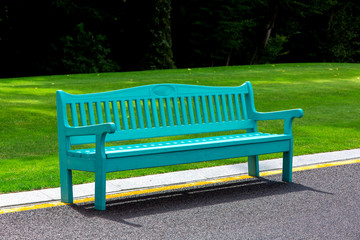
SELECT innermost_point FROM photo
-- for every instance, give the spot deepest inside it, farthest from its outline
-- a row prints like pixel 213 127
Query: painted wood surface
pixel 163 110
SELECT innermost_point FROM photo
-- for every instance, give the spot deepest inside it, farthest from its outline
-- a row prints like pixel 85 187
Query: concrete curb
pixel 152 181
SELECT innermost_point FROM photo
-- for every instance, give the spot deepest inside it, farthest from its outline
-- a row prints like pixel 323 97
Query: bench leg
pixel 100 190
pixel 66 185
pixel 253 166
pixel 287 166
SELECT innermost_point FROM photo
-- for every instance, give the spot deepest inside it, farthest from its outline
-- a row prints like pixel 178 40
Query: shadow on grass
pixel 121 209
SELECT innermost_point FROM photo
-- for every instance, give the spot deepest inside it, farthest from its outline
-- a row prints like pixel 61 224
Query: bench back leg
pixel 253 166
pixel 287 164
pixel 66 185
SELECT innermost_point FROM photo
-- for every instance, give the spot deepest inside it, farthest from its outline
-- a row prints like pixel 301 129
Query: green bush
pixel 86 52
pixel 274 48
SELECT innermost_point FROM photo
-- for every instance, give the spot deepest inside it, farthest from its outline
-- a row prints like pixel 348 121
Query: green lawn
pixel 329 94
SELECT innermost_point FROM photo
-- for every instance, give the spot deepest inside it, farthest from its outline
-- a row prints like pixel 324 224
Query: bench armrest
pixel 99 129
pixel 286 114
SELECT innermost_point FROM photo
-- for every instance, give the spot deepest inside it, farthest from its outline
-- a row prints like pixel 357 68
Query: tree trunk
pixel 159 53
pixel 267 33
pixel 228 58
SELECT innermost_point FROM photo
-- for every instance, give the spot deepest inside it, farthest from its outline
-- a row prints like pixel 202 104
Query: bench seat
pixel 181 145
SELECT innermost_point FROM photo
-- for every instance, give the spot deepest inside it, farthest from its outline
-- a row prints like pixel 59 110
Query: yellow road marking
pixel 32 207
pixel 178 186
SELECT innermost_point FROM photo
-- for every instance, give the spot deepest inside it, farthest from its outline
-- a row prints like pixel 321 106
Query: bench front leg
pixel 66 188
pixel 100 190
pixel 66 185
pixel 100 173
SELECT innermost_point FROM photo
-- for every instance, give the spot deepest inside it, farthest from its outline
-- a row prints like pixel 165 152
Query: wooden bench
pixel 163 110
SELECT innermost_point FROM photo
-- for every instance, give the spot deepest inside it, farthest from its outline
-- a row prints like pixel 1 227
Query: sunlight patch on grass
pixel 20 101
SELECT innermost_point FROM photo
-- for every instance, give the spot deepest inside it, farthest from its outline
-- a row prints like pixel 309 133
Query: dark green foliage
pixel 274 48
pixel 54 36
pixel 85 52
pixel 209 33
pixel 222 32
pixel 159 53
pixel 343 38
pixel 67 36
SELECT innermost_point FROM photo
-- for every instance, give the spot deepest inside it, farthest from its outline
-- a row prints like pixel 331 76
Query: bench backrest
pixel 158 110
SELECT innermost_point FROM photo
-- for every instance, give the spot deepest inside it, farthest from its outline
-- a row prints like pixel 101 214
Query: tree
pixel 342 40
pixel 269 26
pixel 159 53
pixel 86 52
pixel 65 36
pixel 217 32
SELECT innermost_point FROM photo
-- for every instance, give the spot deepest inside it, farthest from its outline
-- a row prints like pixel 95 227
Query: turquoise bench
pixel 163 110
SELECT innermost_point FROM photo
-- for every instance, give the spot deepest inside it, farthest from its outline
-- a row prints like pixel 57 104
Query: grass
pixel 328 93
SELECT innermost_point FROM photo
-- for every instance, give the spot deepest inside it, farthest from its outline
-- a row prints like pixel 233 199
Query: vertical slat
pixel 211 109
pixel 243 107
pixel 132 114
pixel 162 112
pixel 169 112
pixel 197 109
pixel 191 110
pixel 74 116
pixel 231 107
pixel 139 113
pixel 176 111
pixel 83 118
pixel 147 113
pixel 124 115
pixel 91 113
pixel 204 108
pixel 107 112
pixel 183 111
pixel 154 112
pixel 116 114
pixel 237 107
pixel 218 110
pixel 99 112
pixel 224 108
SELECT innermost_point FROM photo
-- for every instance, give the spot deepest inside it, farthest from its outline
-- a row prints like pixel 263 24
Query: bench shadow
pixel 120 209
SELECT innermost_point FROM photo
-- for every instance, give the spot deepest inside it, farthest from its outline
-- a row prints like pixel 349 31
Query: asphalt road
pixel 320 204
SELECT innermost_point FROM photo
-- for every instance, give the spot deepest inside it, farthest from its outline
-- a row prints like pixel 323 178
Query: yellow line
pixel 178 186
pixel 323 165
pixel 32 207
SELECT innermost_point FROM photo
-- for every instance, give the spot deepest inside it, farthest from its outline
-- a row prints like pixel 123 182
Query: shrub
pixel 86 52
